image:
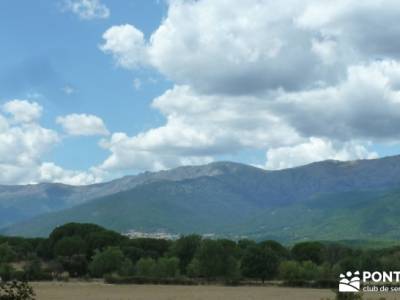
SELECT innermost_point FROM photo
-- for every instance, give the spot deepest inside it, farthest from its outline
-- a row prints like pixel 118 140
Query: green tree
pixel 309 251
pixel 69 246
pixel 108 261
pixel 310 271
pixel 146 267
pixel 44 249
pixel 294 270
pixel 6 272
pixel 33 270
pixel 277 248
pixel 7 254
pixel 133 253
pixel 185 248
pixel 336 252
pixel 210 257
pixel 217 258
pixel 370 261
pixel 167 267
pixel 154 248
pixel 260 262
pixel 232 270
pixel 348 264
pixel 100 240
pixel 76 265
pixel 127 268
pixel 290 270
pixel 245 243
pixel 193 269
pixel 95 237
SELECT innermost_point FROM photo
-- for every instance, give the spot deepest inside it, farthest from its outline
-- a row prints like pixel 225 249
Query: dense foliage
pixel 86 250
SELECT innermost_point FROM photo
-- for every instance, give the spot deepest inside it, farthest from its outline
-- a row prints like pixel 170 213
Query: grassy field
pixel 100 291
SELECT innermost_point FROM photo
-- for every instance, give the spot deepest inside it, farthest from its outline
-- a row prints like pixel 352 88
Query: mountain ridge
pixel 210 196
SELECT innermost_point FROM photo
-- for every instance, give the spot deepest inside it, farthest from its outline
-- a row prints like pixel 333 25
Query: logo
pixel 349 282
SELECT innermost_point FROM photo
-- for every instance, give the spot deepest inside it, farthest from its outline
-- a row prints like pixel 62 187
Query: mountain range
pixel 329 200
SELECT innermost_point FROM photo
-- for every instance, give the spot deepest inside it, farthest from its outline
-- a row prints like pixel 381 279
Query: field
pixel 100 291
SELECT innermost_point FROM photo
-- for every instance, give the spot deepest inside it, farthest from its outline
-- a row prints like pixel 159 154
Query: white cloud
pixel 23 145
pixel 259 45
pixel 326 50
pixel 23 111
pixel 315 149
pixel 282 76
pixel 224 48
pixel 198 127
pixel 365 105
pixel 23 142
pixel 88 9
pixel 82 124
pixel 129 155
pixel 301 80
pixel 50 172
pixel 126 44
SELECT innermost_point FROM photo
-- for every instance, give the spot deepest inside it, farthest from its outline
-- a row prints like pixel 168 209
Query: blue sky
pixel 46 49
pixel 128 86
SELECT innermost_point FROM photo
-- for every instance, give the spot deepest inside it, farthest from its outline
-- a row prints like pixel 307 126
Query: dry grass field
pixel 100 291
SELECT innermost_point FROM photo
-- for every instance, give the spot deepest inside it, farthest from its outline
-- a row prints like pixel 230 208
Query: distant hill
pixel 329 200
pixel 22 202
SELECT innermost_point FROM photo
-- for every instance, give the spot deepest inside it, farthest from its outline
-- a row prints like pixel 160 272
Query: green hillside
pixel 322 201
pixel 186 207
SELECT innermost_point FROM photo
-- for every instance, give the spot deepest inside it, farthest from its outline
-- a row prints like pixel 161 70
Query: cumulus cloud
pixel 284 76
pixel 198 127
pixel 82 124
pixel 128 154
pixel 50 172
pixel 224 48
pixel 126 44
pixel 88 9
pixel 315 149
pixel 24 143
pixel 23 111
pixel 301 80
pixel 21 149
pixel 366 105
pixel 258 45
pixel 367 29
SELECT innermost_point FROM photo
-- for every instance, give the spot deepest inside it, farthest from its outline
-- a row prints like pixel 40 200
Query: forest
pixel 87 251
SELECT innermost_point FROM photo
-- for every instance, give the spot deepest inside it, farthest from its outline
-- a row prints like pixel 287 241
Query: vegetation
pixel 86 250
pixel 15 290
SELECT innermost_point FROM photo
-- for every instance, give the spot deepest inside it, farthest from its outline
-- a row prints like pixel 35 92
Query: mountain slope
pixel 19 203
pixel 326 200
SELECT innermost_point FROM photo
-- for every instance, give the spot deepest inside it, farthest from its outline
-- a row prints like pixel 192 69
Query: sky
pixel 91 90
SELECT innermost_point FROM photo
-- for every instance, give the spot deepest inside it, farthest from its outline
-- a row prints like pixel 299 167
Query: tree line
pixel 90 251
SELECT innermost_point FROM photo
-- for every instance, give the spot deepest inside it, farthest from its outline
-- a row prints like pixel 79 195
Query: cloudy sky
pixel 94 89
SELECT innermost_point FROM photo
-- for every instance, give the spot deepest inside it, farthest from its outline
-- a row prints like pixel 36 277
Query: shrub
pixel 16 290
